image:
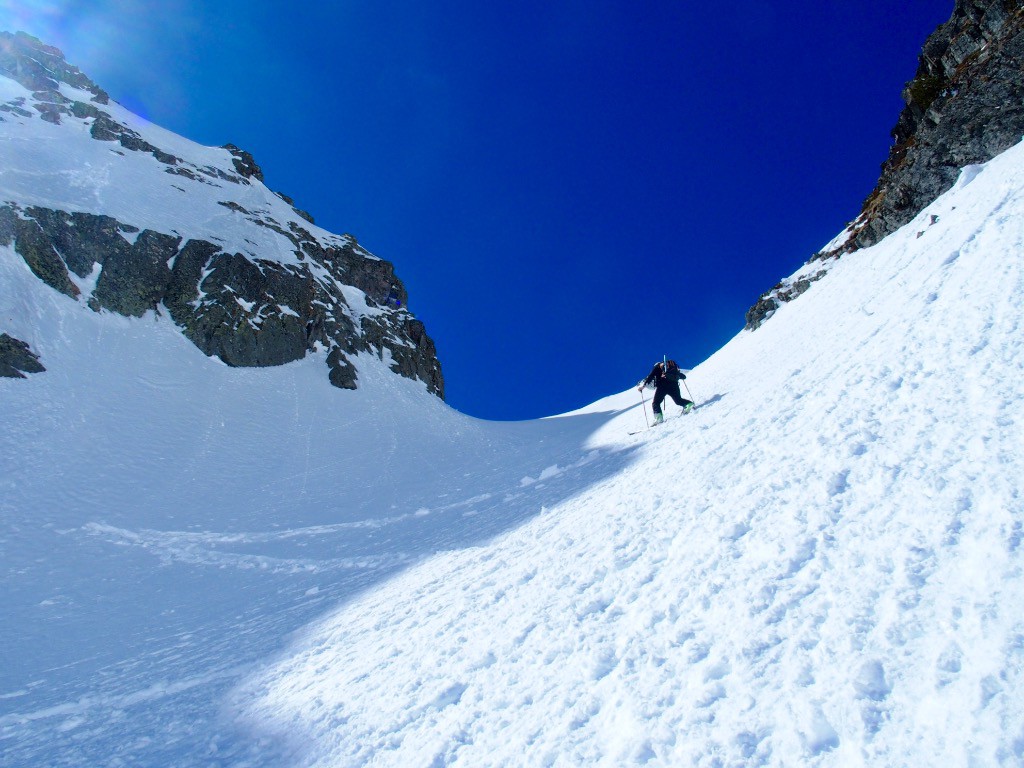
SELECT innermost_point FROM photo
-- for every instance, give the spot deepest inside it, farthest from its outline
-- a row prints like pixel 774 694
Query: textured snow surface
pixel 821 565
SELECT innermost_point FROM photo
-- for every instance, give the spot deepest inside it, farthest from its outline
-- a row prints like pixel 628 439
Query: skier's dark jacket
pixel 665 378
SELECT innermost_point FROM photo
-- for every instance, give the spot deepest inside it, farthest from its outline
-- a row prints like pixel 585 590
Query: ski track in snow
pixel 820 566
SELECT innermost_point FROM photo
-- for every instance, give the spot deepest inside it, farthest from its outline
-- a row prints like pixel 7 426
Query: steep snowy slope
pixel 821 566
pixel 167 520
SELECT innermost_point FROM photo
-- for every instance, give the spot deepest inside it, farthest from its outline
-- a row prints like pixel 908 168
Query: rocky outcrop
pixel 247 312
pixel 965 105
pixel 41 68
pixel 38 252
pixel 244 162
pixel 16 359
pixel 781 292
pixel 326 295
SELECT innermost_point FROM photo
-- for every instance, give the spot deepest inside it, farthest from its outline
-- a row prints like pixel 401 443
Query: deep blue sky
pixel 569 190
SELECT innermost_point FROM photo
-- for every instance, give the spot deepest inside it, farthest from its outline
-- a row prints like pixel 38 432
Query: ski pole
pixel 688 392
pixel 644 404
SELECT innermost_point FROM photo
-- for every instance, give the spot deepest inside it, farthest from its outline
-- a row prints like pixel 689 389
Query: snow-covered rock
pixel 964 106
pixel 126 217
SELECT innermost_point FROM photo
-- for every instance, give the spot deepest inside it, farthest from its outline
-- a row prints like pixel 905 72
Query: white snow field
pixel 821 565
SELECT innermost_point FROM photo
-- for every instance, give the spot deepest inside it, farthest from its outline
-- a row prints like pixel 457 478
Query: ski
pixel 652 426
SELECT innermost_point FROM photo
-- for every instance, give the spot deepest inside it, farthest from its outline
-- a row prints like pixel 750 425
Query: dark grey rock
pixel 165 157
pixel 184 172
pixel 244 162
pixel 20 60
pixel 231 205
pixel 777 296
pixel 8 224
pixel 14 107
pixel 51 112
pixel 105 129
pixel 32 244
pixel 51 97
pixel 82 239
pixel 247 312
pixel 17 359
pixel 134 281
pixel 964 105
pixel 251 314
pixel 763 308
pixel 216 173
pixel 342 373
pixel 183 290
pixel 51 105
pixel 83 110
pixel 422 363
pixel 129 139
pixel 41 67
pixel 374 277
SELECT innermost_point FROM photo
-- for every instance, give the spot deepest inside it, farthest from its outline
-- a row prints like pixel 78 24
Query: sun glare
pixel 40 18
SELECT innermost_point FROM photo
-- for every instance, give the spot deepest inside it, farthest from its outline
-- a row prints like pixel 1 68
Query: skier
pixel 666 377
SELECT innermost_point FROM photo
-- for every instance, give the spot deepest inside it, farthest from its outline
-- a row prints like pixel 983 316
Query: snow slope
pixel 821 565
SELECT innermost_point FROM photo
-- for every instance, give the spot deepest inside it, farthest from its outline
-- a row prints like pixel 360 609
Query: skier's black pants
pixel 671 389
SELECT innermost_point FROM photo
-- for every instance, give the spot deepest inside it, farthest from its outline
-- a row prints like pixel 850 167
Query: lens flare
pixel 40 18
pixel 82 31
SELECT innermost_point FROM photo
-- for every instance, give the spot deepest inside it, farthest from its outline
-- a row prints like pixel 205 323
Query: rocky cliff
pixel 964 105
pixel 124 217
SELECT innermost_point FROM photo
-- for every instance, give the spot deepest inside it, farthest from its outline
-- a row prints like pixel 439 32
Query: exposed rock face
pixel 16 359
pixel 41 68
pixel 328 294
pixel 246 312
pixel 783 291
pixel 965 105
pixel 245 163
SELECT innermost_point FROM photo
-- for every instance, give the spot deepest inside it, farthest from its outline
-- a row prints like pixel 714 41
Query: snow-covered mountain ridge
pixel 127 217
